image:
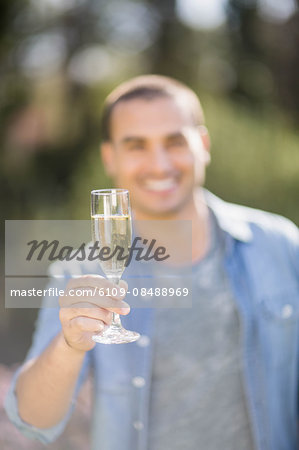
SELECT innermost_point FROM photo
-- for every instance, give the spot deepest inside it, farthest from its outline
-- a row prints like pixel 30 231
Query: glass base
pixel 116 335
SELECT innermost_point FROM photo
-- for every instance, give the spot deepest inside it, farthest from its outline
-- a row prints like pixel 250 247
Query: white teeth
pixel 160 185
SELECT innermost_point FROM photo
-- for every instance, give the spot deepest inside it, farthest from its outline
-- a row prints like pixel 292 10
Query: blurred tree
pixel 47 118
pixel 173 50
pixel 265 55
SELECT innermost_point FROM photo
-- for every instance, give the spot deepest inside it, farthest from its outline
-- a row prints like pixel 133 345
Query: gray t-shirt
pixel 197 396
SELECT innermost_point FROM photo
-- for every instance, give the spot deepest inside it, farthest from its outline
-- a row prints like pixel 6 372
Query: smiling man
pixel 156 145
pixel 223 374
pixel 156 148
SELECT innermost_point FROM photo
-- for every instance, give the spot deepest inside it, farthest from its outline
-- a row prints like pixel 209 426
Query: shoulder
pixel 265 234
pixel 271 229
pixel 252 222
pixel 268 224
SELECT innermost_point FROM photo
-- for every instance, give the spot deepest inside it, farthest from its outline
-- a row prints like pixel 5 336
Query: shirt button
pixel 138 425
pixel 287 311
pixel 143 341
pixel 138 382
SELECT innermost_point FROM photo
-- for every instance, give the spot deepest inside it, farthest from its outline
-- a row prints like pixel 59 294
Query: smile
pixel 160 185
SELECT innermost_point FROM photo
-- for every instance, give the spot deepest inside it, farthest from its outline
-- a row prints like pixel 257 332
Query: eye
pixel 136 146
pixel 178 142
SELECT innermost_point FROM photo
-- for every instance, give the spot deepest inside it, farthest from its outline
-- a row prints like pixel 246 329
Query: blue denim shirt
pixel 262 263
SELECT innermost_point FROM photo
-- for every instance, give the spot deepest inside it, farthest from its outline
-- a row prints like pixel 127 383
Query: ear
pixel 108 158
pixel 205 138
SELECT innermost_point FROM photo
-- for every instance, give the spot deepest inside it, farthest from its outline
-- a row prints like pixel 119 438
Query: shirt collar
pixel 231 218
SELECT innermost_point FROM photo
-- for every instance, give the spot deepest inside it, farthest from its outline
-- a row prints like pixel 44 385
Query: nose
pixel 160 162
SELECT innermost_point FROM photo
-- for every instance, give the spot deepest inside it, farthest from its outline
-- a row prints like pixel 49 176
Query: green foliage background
pixel 245 72
pixel 255 161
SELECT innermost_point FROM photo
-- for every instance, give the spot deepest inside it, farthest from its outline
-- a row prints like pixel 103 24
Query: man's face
pixel 156 153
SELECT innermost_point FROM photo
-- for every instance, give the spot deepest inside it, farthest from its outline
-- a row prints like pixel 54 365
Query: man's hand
pixel 82 317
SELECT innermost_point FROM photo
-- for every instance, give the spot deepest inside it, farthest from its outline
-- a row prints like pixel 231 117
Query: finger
pixel 123 284
pixel 95 300
pixel 91 312
pixel 93 284
pixel 88 324
pixel 88 309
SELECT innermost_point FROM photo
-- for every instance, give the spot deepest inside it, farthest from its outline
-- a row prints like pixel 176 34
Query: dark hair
pixel 149 87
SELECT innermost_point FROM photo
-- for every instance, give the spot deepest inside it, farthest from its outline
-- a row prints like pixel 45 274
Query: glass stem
pixel 116 323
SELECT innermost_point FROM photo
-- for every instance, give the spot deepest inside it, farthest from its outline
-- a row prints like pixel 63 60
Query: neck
pixel 196 211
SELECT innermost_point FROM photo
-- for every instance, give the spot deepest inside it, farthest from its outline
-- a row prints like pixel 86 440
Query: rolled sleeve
pixel 47 326
pixel 45 435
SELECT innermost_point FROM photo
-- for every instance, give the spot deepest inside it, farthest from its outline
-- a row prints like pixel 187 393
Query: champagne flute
pixel 111 227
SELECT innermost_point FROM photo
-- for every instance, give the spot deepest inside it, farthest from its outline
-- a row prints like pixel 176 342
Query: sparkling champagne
pixel 114 232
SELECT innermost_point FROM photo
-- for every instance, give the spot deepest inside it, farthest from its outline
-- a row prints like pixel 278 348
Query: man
pixel 221 375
